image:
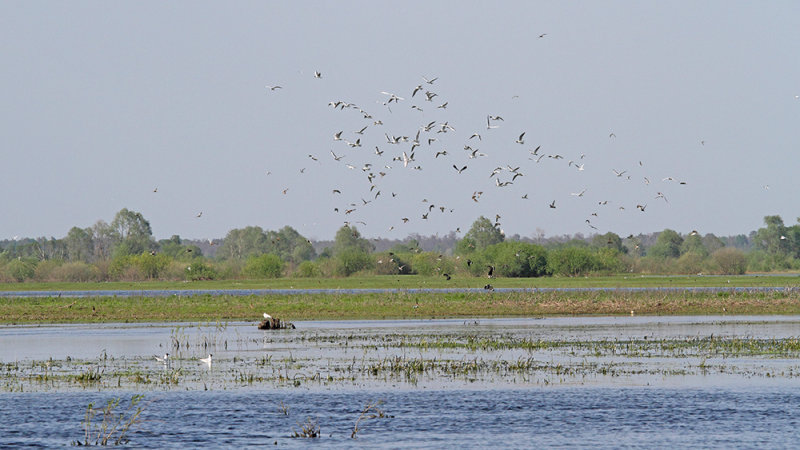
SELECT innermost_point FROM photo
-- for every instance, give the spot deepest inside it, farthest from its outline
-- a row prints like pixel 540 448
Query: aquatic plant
pixel 372 410
pixel 309 429
pixel 112 423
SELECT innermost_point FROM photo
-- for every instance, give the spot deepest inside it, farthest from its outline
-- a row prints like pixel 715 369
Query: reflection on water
pixel 605 381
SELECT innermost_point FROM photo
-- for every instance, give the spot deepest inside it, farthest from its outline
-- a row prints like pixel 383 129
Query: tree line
pixel 125 249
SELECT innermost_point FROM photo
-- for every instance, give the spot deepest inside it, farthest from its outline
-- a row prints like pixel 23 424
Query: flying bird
pixel 520 138
pixel 459 170
pixel 317 74
pixel 272 88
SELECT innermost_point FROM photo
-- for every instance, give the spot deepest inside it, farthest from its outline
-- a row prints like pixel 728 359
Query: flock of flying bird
pixel 432 142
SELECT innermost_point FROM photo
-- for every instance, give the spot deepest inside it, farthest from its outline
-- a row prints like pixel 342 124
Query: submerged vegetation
pixel 447 353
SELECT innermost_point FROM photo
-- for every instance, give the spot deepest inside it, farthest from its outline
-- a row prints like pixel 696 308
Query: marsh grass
pixel 308 429
pixel 113 426
pixel 372 410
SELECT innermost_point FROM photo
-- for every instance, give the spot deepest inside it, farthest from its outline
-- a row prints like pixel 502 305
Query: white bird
pixel 578 194
pixel 267 316
pixel 520 140
pixel 206 360
pixel 406 159
pixel 431 80
pixel 392 97
pixel 163 359
pixel 317 74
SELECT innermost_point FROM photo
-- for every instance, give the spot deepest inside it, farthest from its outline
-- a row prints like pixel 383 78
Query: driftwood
pixel 273 323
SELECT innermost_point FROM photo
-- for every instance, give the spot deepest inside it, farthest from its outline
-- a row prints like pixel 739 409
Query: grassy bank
pixel 389 306
pixel 417 281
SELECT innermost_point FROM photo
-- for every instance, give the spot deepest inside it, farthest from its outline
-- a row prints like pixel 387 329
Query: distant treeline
pixel 126 250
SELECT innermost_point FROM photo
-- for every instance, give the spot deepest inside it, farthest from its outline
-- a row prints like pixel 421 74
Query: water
pixel 528 418
pixel 605 382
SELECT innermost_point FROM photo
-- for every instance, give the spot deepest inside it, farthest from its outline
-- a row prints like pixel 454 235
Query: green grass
pixel 399 305
pixel 417 281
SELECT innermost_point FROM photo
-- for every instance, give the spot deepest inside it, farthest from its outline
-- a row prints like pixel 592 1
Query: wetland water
pixel 607 381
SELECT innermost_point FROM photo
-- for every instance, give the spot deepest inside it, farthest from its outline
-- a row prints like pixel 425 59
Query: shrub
pixel 571 261
pixel 264 266
pixel 513 259
pixel 151 265
pixel 731 261
pixel 44 270
pixel 77 271
pixel 20 270
pixel 429 263
pixel 690 263
pixel 308 269
pixel 350 261
pixel 388 263
pixel 200 270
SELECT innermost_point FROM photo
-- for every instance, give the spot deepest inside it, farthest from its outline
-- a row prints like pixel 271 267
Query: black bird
pixel 446 276
pixel 491 271
pixel 469 262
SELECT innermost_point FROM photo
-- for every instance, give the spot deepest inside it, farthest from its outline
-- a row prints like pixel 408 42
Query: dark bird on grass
pixel 469 262
pixel 489 287
pixel 491 272
pixel 447 276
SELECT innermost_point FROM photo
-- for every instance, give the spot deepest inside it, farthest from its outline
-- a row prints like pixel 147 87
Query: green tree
pixel 668 245
pixel 693 243
pixel 102 240
pixel 79 244
pixel 289 245
pixel 712 243
pixel 131 232
pixel 351 252
pixel 772 238
pixel 609 240
pixel 243 243
pixel 511 259
pixel 482 234
pixel 348 238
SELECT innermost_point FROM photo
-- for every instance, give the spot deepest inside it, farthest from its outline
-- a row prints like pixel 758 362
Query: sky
pixel 687 109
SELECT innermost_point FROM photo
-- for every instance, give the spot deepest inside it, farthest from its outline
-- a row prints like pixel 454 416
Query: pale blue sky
pixel 106 101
